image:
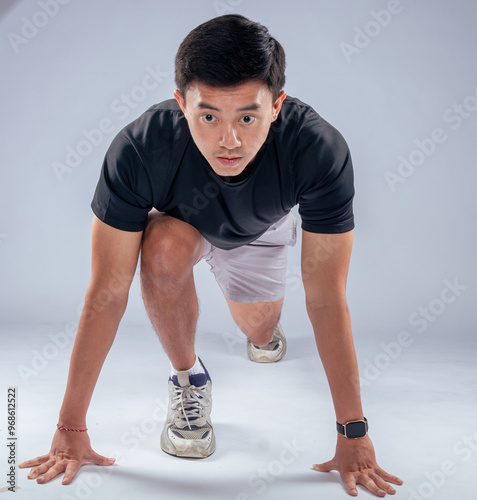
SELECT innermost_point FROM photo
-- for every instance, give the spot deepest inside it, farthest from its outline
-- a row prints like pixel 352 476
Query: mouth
pixel 229 161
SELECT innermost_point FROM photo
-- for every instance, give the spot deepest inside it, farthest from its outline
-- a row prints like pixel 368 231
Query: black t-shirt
pixel 154 162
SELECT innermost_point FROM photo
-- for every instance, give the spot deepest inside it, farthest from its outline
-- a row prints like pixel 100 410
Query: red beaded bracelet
pixel 61 428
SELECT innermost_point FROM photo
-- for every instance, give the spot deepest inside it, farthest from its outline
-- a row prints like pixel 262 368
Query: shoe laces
pixel 190 400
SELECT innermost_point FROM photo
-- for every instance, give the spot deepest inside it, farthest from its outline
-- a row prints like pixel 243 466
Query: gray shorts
pixel 255 272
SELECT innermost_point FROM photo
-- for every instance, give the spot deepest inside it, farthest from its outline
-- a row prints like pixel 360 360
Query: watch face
pixel 355 430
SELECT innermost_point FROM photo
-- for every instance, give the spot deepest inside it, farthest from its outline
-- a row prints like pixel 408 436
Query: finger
pixel 52 472
pixel 369 484
pixel 34 461
pixel 381 483
pixel 100 460
pixel 350 483
pixel 34 473
pixel 325 467
pixel 388 477
pixel 70 472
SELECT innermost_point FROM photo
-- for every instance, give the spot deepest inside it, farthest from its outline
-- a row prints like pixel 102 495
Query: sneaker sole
pixel 192 450
pixel 262 357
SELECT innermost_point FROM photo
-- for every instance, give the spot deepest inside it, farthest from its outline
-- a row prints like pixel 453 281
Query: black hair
pixel 229 50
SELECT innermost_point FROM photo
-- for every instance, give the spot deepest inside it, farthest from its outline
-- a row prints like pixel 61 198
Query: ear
pixel 277 105
pixel 180 100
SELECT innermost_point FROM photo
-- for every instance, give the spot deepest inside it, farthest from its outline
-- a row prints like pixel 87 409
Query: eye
pixel 247 119
pixel 208 118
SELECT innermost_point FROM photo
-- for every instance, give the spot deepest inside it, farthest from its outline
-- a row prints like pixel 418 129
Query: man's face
pixel 229 124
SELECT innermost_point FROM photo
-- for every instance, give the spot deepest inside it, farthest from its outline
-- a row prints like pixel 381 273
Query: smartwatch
pixel 353 429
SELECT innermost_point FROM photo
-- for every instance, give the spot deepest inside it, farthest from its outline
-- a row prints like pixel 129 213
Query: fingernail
pixel 65 480
pixel 112 460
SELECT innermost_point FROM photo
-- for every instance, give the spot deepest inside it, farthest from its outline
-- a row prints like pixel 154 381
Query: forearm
pixel 332 327
pixel 96 332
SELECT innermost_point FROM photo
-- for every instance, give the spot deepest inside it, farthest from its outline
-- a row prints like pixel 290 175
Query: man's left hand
pixel 355 460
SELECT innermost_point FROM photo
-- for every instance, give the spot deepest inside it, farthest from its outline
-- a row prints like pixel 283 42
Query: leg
pixel 253 280
pixel 170 249
pixel 257 320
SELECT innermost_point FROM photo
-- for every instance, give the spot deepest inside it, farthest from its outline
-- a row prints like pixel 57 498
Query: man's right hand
pixel 69 451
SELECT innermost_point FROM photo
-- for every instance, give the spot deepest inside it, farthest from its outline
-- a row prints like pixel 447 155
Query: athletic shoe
pixel 272 352
pixel 188 430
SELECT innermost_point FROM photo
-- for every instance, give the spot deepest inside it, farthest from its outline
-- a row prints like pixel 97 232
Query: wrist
pixel 72 422
pixel 353 429
pixel 347 445
pixel 70 429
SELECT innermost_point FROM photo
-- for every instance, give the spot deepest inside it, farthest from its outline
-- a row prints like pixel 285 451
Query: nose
pixel 229 138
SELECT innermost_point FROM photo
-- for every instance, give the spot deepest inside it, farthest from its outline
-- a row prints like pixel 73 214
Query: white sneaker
pixel 272 352
pixel 188 429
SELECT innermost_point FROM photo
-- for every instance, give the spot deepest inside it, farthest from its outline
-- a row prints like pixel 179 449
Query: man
pixel 214 174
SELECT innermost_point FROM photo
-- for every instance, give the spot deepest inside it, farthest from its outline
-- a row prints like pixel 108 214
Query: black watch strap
pixel 353 429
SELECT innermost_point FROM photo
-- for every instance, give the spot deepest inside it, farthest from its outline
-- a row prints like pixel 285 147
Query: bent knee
pixel 169 246
pixel 256 320
pixel 261 336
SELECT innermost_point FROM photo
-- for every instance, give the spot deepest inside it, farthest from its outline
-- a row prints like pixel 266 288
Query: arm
pixel 325 263
pixel 114 259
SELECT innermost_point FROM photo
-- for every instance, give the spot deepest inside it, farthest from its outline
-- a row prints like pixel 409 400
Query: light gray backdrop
pixel 386 74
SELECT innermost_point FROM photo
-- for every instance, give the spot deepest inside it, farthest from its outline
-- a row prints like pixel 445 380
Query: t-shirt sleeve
pixel 123 195
pixel 325 183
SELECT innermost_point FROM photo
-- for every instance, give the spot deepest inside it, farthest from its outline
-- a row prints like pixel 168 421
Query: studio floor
pixel 272 422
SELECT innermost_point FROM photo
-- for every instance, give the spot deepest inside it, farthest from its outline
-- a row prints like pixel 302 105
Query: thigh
pixel 251 273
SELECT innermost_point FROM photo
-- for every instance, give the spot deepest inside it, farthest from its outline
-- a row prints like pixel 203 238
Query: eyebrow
pixel 250 107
